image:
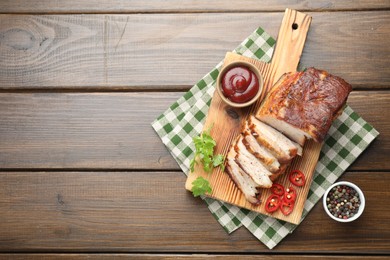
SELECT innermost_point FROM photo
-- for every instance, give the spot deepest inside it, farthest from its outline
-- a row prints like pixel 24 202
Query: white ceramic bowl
pixel 361 197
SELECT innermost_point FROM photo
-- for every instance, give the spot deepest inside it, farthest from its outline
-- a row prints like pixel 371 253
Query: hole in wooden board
pixel 232 113
pixel 294 26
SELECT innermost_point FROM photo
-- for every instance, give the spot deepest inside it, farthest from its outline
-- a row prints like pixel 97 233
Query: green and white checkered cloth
pixel 346 140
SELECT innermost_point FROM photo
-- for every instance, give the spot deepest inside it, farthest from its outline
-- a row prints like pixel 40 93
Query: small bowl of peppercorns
pixel 344 201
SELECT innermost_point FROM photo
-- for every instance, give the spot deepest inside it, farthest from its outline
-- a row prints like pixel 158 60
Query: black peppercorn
pixel 343 202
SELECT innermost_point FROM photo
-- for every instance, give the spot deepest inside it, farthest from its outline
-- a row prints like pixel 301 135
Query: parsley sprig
pixel 204 145
pixel 200 186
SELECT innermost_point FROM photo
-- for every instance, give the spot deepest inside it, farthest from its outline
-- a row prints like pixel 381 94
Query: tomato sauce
pixel 240 84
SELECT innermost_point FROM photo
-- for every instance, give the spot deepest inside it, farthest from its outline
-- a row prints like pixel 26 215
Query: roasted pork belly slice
pixel 274 176
pixel 297 145
pixel 293 133
pixel 251 165
pixel 264 156
pixel 305 103
pixel 299 148
pixel 279 145
pixel 241 178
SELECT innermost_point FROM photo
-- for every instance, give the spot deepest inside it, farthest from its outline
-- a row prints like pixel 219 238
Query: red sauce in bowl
pixel 240 84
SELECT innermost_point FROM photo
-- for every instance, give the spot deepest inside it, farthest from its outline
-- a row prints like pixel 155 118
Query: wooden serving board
pixel 227 122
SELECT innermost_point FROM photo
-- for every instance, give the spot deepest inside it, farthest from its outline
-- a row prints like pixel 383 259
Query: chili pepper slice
pixel 290 195
pixel 272 204
pixel 277 189
pixel 297 178
pixel 286 207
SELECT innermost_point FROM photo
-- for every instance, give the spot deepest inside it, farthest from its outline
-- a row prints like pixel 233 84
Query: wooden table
pixel 83 175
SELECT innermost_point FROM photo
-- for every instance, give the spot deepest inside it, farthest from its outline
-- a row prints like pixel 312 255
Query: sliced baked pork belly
pixel 282 170
pixel 279 145
pixel 241 178
pixel 264 156
pixel 299 148
pixel 293 133
pixel 251 165
pixel 304 104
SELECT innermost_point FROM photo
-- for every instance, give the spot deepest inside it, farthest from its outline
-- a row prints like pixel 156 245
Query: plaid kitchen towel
pixel 184 119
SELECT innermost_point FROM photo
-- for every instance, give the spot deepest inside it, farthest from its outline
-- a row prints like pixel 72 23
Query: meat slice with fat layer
pixel 242 180
pixel 295 134
pixel 251 165
pixel 260 152
pixel 279 145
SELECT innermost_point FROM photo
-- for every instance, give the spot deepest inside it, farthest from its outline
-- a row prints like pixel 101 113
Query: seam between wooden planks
pixel 189 11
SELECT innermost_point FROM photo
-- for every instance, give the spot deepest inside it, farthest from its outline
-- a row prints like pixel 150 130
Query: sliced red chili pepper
pixel 277 189
pixel 286 207
pixel 290 195
pixel 297 178
pixel 272 204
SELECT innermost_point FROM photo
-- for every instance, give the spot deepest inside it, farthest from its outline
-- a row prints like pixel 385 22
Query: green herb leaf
pixel 200 186
pixel 192 164
pixel 204 145
pixel 218 160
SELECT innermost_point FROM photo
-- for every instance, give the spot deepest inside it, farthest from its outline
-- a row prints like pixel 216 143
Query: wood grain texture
pixel 290 42
pixel 173 51
pixel 183 256
pixel 112 130
pixel 97 130
pixel 127 200
pixel 151 212
pixel 293 31
pixel 123 6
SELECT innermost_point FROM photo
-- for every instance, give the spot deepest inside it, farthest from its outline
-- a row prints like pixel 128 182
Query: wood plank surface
pixel 173 51
pixel 83 130
pixel 123 6
pixel 184 256
pixel 112 130
pixel 83 174
pixel 151 212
